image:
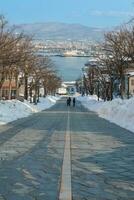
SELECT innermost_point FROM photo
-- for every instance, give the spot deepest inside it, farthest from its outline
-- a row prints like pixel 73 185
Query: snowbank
pixel 118 111
pixel 13 109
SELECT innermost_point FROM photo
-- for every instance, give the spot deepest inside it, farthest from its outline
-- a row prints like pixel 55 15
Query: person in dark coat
pixel 73 102
pixel 68 101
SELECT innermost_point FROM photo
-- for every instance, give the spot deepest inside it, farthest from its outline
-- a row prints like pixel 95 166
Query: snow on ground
pixel 13 109
pixel 118 111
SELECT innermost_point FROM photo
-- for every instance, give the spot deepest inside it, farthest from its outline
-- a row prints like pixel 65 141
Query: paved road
pixel 32 156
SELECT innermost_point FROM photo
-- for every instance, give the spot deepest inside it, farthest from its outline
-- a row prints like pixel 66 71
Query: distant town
pixel 81 48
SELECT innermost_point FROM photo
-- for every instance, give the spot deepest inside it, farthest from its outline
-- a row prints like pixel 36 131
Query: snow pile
pixel 118 111
pixel 13 109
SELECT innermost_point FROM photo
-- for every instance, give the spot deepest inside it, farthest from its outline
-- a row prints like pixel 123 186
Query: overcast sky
pixel 95 13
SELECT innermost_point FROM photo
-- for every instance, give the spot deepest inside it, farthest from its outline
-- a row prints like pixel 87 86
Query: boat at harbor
pixel 74 53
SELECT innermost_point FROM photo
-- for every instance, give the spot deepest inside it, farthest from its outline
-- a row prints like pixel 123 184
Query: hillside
pixel 61 31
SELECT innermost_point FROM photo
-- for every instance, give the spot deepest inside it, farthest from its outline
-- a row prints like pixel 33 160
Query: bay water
pixel 69 68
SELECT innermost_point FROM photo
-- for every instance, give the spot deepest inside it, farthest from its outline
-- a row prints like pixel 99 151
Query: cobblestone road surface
pixel 32 149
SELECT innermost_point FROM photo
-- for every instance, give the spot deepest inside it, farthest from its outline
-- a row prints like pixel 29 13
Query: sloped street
pixel 32 157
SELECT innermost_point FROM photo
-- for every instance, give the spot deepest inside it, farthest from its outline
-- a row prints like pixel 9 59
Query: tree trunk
pixel 0 93
pixel 10 90
pixel 17 86
pixel 30 94
pixel 38 94
pixel 45 91
pixel 26 87
pixel 122 87
pixel 111 90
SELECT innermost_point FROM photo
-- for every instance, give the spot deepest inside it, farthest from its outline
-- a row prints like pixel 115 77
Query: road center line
pixel 65 188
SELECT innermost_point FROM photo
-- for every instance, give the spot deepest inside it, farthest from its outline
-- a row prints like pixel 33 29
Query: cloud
pixel 111 13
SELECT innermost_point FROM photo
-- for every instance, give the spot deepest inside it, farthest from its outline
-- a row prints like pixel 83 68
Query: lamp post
pixel 111 89
pixel 128 86
pixel 98 89
pixel 83 84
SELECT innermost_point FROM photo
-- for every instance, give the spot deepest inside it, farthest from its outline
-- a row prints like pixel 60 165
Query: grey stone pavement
pixel 32 149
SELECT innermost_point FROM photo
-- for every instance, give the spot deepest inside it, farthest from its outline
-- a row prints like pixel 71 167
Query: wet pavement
pixel 32 151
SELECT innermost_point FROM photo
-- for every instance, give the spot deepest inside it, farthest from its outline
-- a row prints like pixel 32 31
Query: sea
pixel 69 68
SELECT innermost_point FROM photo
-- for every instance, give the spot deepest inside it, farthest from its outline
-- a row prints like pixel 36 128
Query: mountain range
pixel 61 31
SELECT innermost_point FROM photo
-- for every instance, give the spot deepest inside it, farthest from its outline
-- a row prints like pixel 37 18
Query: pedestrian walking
pixel 73 102
pixel 68 101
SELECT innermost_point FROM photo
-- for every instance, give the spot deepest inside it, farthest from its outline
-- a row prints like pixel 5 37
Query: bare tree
pixel 18 57
pixel 117 48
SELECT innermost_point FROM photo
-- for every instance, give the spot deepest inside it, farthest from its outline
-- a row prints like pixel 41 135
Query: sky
pixel 93 13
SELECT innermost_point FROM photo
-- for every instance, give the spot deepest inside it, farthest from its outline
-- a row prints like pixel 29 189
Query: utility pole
pixel 98 90
pixel 128 86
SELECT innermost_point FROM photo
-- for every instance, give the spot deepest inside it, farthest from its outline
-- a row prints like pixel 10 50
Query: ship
pixel 74 53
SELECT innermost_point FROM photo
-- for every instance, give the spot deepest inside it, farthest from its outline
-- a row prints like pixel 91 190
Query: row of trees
pixel 20 61
pixel 117 56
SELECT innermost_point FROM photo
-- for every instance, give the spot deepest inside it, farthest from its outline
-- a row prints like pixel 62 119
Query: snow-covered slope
pixel 119 111
pixel 14 109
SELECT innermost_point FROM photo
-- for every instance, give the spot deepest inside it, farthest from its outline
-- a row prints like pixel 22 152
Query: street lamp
pixel 98 89
pixel 83 81
pixel 111 89
pixel 128 86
